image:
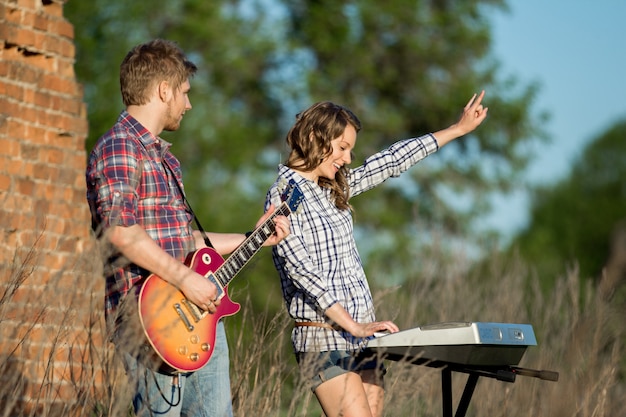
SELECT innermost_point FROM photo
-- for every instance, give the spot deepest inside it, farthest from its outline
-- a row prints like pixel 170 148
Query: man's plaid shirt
pixel 129 182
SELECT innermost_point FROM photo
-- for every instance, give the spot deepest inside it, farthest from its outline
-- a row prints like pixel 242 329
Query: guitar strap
pixel 207 241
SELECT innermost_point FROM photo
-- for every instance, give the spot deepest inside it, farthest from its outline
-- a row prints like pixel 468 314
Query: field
pixel 580 335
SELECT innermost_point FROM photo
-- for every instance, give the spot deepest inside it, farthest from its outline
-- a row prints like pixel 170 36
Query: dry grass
pixel 580 335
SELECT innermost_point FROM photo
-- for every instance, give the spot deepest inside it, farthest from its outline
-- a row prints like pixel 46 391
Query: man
pixel 135 192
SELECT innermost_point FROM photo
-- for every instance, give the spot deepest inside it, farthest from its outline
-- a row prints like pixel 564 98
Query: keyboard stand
pixel 501 373
pixel 506 373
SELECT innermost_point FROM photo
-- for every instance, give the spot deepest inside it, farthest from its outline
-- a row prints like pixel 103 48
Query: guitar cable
pixel 176 386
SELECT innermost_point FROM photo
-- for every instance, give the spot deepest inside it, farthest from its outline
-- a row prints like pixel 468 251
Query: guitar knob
pixel 194 357
pixel 194 339
pixel 182 350
pixel 205 347
pixel 206 258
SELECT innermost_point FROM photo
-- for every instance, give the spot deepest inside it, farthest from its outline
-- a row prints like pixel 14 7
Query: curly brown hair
pixel 310 142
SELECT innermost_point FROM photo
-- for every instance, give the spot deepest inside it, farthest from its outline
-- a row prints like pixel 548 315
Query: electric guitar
pixel 183 334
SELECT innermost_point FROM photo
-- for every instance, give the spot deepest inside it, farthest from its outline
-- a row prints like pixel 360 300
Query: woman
pixel 323 282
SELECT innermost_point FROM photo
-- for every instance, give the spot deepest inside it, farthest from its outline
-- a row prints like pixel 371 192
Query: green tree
pixel 223 139
pixel 573 220
pixel 405 67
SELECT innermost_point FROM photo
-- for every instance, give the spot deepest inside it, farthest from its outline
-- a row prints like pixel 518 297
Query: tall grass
pixel 580 335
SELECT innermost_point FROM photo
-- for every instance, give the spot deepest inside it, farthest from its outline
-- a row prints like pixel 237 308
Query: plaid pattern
pixel 318 262
pixel 127 184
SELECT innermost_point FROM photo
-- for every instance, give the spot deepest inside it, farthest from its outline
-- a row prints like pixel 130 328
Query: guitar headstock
pixel 292 195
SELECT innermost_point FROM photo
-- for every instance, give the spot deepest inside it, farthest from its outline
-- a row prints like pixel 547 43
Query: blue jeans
pixel 204 393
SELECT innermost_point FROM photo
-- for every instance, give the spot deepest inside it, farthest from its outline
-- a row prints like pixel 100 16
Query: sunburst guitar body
pixel 181 333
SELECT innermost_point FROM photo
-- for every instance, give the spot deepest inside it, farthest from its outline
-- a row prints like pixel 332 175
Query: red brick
pixel 53 156
pixel 15 167
pixel 67 48
pixel 28 151
pixel 56 83
pixel 42 163
pixel 55 102
pixel 53 45
pixel 71 106
pixel 24 294
pixel 42 99
pixel 41 62
pixel 5 30
pixel 64 28
pixel 4 67
pixel 42 206
pixel 25 186
pixel 47 172
pixel 5 182
pixel 55 9
pixel 28 114
pixel 13 16
pixel 16 129
pixel 66 123
pixel 37 135
pixel 29 95
pixel 28 4
pixel 15 91
pixel 65 68
pixel 28 19
pixel 8 107
pixel 10 147
pixel 4 9
pixel 46 118
pixel 41 22
pixel 58 260
pixel 28 168
pixel 20 203
pixel 40 42
pixel 22 37
pixel 24 72
pixel 80 126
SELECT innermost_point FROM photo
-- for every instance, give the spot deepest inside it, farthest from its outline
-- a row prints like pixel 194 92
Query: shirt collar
pixel 144 135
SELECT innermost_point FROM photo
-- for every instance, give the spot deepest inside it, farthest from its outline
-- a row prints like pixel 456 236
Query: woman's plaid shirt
pixel 318 262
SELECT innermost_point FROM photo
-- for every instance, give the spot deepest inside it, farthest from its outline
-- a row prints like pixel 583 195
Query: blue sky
pixel 576 50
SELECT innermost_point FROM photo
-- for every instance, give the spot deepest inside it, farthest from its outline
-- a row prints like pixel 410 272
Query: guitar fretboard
pixel 253 243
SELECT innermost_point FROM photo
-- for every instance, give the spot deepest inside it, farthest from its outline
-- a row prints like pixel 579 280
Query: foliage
pixel 573 220
pixel 405 67
pixel 234 118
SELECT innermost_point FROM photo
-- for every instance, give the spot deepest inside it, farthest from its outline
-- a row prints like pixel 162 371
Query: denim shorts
pixel 319 367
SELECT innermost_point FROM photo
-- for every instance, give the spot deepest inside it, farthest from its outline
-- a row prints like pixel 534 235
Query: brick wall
pixel 50 294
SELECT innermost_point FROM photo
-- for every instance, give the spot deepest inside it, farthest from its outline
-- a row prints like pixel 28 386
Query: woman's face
pixel 342 148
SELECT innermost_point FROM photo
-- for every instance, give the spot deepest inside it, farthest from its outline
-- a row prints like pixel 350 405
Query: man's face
pixel 177 107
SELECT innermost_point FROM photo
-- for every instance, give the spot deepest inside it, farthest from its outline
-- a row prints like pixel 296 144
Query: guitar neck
pixel 249 247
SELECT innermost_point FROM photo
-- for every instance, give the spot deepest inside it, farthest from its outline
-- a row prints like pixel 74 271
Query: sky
pixel 576 50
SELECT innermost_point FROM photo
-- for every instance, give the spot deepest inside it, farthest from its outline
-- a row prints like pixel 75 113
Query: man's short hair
pixel 151 63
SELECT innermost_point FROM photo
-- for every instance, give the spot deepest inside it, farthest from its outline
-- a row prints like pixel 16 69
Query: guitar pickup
pixel 183 317
pixel 194 310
